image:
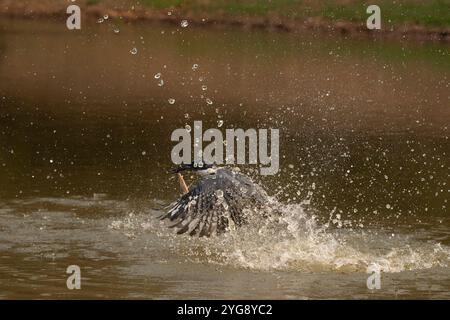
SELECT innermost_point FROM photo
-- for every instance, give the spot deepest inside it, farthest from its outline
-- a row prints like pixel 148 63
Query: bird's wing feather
pixel 208 206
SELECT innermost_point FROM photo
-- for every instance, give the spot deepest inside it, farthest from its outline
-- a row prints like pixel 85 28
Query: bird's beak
pixel 180 168
pixel 175 170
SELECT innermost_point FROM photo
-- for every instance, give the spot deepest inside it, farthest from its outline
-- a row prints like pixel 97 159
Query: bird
pixel 215 203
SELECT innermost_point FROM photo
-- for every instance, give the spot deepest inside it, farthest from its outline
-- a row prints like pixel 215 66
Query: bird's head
pixel 199 168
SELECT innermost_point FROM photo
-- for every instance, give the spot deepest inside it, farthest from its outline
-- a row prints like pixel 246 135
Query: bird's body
pixel 218 200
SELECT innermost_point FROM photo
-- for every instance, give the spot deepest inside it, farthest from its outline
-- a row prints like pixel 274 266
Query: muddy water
pixel 85 151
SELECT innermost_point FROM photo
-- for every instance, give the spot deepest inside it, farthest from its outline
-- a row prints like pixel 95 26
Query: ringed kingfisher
pixel 215 202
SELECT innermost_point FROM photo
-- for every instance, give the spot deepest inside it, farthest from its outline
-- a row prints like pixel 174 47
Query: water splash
pixel 293 240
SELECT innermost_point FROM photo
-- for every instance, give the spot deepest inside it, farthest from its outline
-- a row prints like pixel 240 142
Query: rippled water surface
pixel 85 124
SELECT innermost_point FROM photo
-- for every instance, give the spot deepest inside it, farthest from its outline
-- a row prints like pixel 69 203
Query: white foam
pixel 294 241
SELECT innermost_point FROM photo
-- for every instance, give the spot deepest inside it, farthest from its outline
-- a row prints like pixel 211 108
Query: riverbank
pixel 404 21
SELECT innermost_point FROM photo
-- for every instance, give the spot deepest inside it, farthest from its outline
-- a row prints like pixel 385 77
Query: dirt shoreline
pixel 271 22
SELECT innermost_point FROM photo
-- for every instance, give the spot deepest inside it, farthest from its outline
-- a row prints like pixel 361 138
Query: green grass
pixel 92 2
pixel 255 7
pixel 422 12
pixel 241 7
pixel 426 12
pixel 161 4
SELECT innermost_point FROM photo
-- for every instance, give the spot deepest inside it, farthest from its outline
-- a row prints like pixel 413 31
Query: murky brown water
pixel 364 162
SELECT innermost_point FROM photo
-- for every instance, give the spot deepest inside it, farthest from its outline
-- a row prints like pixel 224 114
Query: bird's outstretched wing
pixel 214 203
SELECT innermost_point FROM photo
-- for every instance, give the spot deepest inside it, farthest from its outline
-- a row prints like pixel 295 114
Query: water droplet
pixel 219 194
pixel 219 123
pixel 144 153
pixel 209 101
pixel 161 83
pixel 188 128
pixel 116 31
pixel 194 66
pixel 105 17
pixel 184 23
pixel 100 20
pixel 204 87
pixel 186 115
pixel 171 100
pixel 134 51
pixel 158 75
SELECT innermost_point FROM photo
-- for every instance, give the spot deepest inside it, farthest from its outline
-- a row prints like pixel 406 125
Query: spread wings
pixel 213 203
